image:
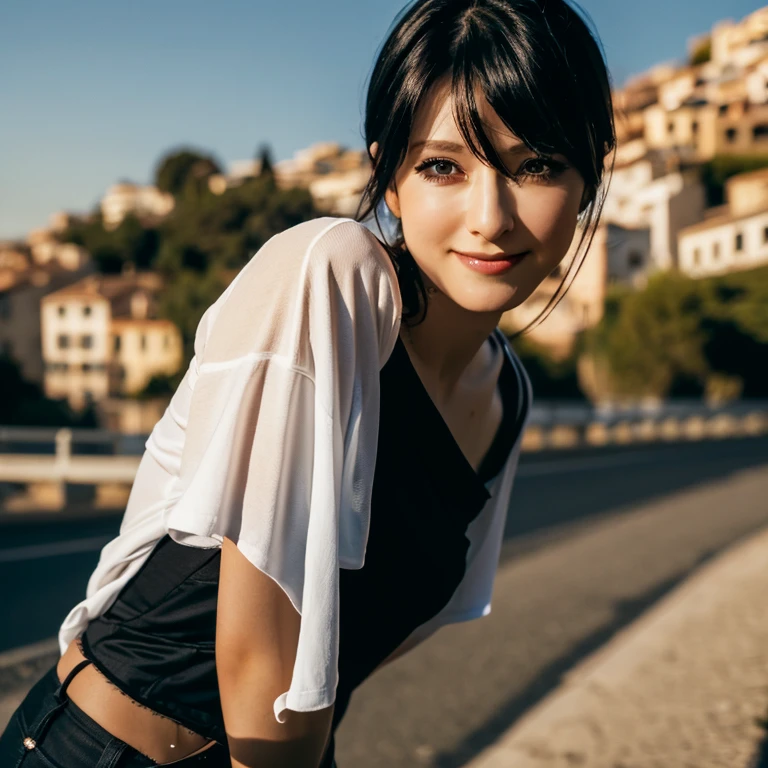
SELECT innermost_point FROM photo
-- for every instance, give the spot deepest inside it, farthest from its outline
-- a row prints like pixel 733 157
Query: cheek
pixel 429 216
pixel 550 215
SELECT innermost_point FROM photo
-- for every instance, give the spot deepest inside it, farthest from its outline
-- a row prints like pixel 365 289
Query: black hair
pixel 539 67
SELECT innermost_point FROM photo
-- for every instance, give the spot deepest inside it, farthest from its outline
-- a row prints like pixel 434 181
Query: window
pixel 765 234
pixel 739 244
pixel 760 132
pixel 716 251
pixel 671 127
pixel 722 109
pixel 86 342
pixel 87 367
pixel 143 341
pixel 635 259
pixel 696 257
pixel 63 341
pixel 62 311
pixel 730 135
pixel 118 341
pixel 694 127
pixel 87 310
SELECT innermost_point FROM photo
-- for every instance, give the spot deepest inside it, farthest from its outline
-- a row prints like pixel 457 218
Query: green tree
pixel 186 298
pixel 264 156
pixel 652 340
pixel 702 53
pixel 178 169
pixel 551 378
pixel 24 404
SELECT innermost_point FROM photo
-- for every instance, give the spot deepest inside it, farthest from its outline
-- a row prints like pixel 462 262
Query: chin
pixel 490 302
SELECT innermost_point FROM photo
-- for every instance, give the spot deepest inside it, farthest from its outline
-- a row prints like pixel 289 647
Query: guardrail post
pixel 63 447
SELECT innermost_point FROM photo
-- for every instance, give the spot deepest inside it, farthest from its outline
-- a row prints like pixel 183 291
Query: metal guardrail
pixel 568 425
pixel 93 456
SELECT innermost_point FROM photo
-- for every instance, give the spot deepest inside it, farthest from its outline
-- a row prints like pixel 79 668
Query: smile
pixel 490 265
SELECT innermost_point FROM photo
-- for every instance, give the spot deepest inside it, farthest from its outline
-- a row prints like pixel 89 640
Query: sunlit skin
pixel 449 201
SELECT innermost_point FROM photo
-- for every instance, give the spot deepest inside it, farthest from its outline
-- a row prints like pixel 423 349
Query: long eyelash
pixel 421 167
pixel 554 169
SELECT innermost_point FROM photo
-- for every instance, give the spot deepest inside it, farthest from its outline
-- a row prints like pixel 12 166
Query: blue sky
pixel 93 92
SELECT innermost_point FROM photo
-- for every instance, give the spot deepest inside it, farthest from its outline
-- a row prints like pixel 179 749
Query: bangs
pixel 529 84
pixel 538 66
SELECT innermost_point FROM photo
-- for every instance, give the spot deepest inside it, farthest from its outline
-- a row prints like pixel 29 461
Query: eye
pixel 442 169
pixel 542 168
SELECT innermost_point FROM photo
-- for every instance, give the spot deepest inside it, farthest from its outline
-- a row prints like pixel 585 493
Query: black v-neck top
pixel 157 640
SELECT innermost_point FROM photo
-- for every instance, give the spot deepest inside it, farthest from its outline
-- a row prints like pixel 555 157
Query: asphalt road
pixel 592 540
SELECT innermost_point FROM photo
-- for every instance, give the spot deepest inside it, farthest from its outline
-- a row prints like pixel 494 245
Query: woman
pixel 330 482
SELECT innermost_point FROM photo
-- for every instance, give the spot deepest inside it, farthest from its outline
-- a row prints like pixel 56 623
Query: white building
pixel 733 236
pixel 125 198
pixel 628 255
pixel 643 195
pixel 724 243
pixel 101 336
pixel 334 176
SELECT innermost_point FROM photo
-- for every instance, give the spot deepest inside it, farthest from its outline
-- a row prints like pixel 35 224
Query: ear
pixel 373 150
pixel 393 201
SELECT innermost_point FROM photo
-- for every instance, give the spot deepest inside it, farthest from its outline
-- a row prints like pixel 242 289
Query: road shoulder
pixel 686 684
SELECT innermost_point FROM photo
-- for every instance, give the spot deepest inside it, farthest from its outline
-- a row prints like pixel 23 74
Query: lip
pixel 490 265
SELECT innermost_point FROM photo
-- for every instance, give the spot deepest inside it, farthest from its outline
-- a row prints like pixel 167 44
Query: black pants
pixel 50 731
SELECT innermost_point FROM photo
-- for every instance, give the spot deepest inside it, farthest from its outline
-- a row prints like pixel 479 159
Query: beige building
pixel 334 176
pixel 21 292
pixel 648 194
pixel 747 192
pixel 101 336
pixel 14 259
pixel 144 202
pixel 141 348
pixel 45 249
pixel 733 236
pixel 691 129
pixel 740 43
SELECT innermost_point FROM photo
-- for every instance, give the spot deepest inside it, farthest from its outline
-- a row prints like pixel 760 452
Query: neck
pixel 445 345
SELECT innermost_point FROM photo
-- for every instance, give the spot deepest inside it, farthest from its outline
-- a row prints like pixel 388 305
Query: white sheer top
pixel 270 440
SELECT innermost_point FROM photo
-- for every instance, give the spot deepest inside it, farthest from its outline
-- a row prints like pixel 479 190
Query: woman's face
pixel 453 207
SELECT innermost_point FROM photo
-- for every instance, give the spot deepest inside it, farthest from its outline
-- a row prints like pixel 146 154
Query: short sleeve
pixel 283 426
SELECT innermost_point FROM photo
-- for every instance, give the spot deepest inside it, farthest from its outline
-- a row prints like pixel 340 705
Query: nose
pixel 490 205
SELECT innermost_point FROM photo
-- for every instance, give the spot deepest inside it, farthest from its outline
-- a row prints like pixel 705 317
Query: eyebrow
pixel 450 146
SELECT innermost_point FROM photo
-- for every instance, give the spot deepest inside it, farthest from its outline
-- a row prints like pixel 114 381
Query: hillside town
pixel 98 340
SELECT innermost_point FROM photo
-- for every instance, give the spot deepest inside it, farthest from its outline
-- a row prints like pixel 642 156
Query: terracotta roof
pixel 111 287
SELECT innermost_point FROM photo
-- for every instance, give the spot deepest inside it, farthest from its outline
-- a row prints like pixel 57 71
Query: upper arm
pixel 257 631
pixel 280 449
